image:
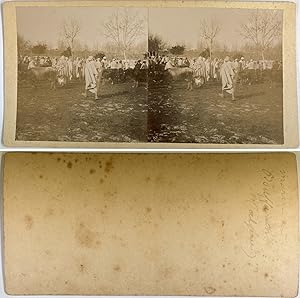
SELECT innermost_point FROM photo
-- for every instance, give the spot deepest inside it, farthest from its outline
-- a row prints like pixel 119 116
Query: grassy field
pixel 120 115
pixel 159 114
pixel 202 116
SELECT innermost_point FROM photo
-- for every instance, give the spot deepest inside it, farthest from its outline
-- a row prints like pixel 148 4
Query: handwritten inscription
pixel 260 211
pixel 283 196
pixel 283 191
pixel 250 224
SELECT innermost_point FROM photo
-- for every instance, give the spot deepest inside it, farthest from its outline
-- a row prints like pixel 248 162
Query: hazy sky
pixel 44 23
pixel 183 25
pixel 175 25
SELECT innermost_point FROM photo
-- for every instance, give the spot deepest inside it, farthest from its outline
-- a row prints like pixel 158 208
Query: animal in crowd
pixel 50 74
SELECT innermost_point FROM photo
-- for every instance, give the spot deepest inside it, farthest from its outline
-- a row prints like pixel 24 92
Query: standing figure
pixel 214 69
pixel 228 78
pixel 242 64
pixel 91 76
pixel 207 69
pixel 200 69
pixel 83 63
pixel 236 65
pixel 62 70
pixel 70 68
pixel 168 64
pixel 105 63
pixel 77 67
pixel 144 65
pixel 31 63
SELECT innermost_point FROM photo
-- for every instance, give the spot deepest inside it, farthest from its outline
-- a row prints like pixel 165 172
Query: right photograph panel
pixel 215 76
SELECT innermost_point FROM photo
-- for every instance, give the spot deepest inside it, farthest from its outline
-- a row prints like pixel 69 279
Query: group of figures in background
pixel 61 70
pixel 228 71
pixel 157 68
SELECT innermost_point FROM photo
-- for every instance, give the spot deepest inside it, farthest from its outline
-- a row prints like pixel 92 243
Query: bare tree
pixel 70 30
pixel 262 29
pixel 123 29
pixel 208 31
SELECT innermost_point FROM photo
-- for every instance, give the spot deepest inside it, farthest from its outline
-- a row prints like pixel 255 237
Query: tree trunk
pixel 72 45
pixel 124 54
pixel 263 58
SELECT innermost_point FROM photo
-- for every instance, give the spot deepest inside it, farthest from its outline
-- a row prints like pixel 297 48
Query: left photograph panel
pixel 78 73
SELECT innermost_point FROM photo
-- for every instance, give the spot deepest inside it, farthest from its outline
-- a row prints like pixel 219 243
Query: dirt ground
pixel 65 115
pixel 202 116
pixel 124 114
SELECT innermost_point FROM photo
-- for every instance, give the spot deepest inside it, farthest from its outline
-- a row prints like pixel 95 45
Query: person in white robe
pixel 70 68
pixel 199 68
pixel 98 63
pixel 242 63
pixel 144 65
pixel 42 61
pixel 62 66
pixel 91 77
pixel 53 62
pixel 169 64
pixel 207 69
pixel 31 63
pixel 126 64
pixel 250 65
pixel 104 62
pixel 77 67
pixel 228 78
pixel 236 65
pixel 113 64
pixel 214 69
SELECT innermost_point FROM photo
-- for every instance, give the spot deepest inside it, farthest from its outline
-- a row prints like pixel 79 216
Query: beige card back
pixel 151 224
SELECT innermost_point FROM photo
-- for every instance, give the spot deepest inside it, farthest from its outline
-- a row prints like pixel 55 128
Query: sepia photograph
pixel 201 75
pixel 82 74
pixel 216 76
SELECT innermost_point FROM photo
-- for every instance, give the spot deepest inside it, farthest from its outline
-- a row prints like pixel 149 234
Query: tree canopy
pixel 99 55
pixel 177 50
pixel 155 43
pixel 67 52
pixel 39 48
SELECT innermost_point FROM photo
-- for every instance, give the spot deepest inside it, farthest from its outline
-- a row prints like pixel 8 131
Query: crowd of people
pixel 226 70
pixel 204 69
pixel 210 68
pixel 84 69
pixel 74 67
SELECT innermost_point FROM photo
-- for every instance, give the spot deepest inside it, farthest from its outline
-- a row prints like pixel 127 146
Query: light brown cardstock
pixel 151 224
pixel 290 120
